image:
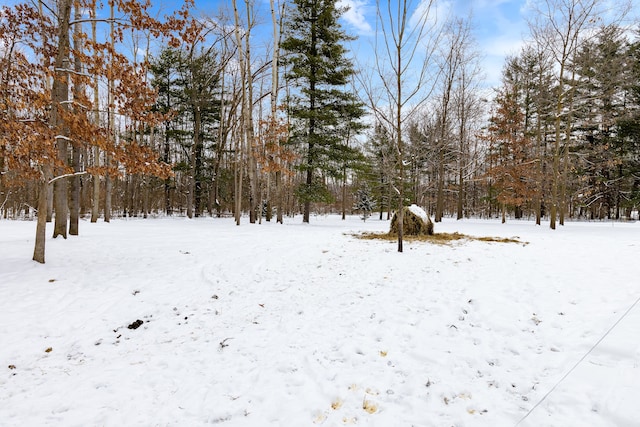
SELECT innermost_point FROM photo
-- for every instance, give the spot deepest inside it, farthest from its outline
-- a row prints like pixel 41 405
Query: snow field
pixel 304 324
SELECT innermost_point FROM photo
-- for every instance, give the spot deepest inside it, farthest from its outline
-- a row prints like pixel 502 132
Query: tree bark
pixel 274 104
pixel 49 203
pixel 49 188
pixel 238 176
pixel 312 123
pixel 74 209
pixel 192 197
pixel 95 179
pixel 78 92
pixel 60 95
pixel 41 227
pixel 279 201
pixel 244 50
pixel 108 189
pixel 399 142
pixel 460 192
pixel 112 126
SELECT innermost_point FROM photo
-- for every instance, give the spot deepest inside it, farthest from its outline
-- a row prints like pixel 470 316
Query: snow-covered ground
pixel 304 324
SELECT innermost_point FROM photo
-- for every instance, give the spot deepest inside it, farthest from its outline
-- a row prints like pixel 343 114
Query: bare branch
pixel 66 175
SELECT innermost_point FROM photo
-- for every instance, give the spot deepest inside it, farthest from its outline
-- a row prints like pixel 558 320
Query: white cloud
pixel 436 12
pixel 356 15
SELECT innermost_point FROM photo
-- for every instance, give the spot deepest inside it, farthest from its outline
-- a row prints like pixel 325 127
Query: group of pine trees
pixel 580 152
pixel 110 110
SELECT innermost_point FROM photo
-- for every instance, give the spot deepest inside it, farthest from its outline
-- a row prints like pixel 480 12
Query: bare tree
pixel 243 42
pixel 60 98
pixel 408 36
pixel 468 109
pixel 95 207
pixel 277 35
pixel 111 123
pixel 78 94
pixel 451 62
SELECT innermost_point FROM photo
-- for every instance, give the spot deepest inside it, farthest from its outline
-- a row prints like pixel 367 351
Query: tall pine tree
pixel 322 107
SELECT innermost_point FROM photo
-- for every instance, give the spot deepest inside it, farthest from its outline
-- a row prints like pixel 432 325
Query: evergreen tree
pixel 601 66
pixel 188 91
pixel 364 203
pixel 324 113
pixel 381 158
pixel 170 101
pixel 628 143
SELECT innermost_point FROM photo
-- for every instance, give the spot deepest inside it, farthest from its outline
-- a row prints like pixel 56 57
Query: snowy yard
pixel 304 324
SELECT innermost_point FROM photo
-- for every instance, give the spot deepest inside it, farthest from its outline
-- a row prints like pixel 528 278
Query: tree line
pixel 110 110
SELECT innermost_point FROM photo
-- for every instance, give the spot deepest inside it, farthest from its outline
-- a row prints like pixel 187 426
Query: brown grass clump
pixel 437 238
pixel 413 225
pixel 500 239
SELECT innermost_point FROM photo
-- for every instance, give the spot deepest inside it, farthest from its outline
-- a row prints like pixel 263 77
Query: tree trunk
pixel 78 91
pixel 216 185
pixel 460 192
pixel 167 182
pixel 3 202
pixel 344 194
pixel 440 188
pixel 192 197
pixel 279 200
pixel 48 88
pixel 307 203
pixel 112 127
pixel 274 103
pixel 145 197
pixel 60 187
pixel 108 189
pixel 95 207
pixel 254 184
pixel 95 180
pixel 400 149
pixel 562 202
pixel 253 188
pixel 60 96
pixel 238 174
pixel 61 204
pixel 41 227
pixel 74 210
pixel 49 203
pixel 128 190
pixel 537 198
pixel 555 173
pixel 389 188
pixel 247 105
pixel 565 166
pixel 312 124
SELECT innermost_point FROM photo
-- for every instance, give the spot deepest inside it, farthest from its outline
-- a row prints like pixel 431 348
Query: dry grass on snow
pixel 437 238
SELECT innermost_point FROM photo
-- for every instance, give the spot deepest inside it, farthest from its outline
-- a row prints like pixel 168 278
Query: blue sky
pixel 499 26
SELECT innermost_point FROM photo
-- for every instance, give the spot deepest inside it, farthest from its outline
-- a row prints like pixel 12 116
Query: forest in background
pixel 108 110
